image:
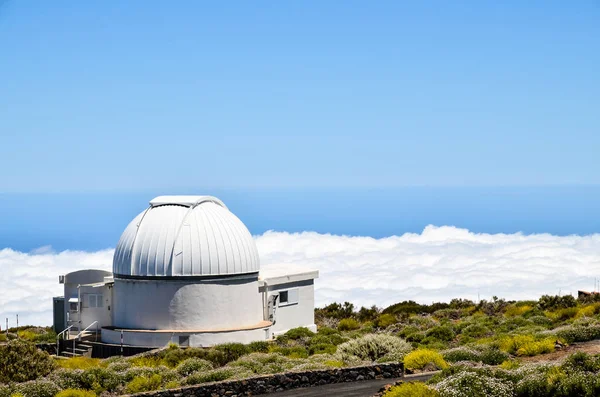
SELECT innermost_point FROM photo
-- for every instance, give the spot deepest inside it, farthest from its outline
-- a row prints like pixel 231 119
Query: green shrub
pixel 421 358
pixel 119 365
pixel 413 389
pixel 493 356
pixel 579 332
pixel 541 320
pixel 140 384
pixel 461 354
pixel 259 346
pixel 67 378
pixel 172 356
pixel 327 331
pixel 191 365
pixel 292 352
pixel 214 375
pixel 100 379
pixel 474 385
pixel 232 351
pixel 322 348
pixel 581 361
pixel 78 362
pixel 348 324
pixel 441 332
pixel 21 361
pixel 37 388
pixel 475 331
pixel 264 363
pixel 565 314
pixel 548 302
pixel 298 333
pixel 373 347
pixel 385 320
pixel 333 339
pixel 76 393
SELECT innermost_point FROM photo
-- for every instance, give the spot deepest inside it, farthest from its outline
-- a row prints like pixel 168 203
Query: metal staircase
pixel 77 345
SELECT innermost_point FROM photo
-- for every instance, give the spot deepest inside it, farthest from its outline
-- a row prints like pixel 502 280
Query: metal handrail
pixel 78 337
pixel 58 338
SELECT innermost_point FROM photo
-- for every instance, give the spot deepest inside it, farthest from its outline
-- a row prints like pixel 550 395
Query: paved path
pixel 349 389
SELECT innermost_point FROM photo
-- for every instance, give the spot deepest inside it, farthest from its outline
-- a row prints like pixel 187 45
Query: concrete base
pixel 186 338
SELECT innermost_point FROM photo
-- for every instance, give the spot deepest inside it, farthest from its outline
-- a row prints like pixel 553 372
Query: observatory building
pixel 187 271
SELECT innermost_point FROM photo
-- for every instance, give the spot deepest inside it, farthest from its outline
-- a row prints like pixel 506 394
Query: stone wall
pixel 280 382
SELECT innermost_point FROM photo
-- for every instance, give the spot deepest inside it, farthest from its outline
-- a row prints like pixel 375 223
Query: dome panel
pixel 185 236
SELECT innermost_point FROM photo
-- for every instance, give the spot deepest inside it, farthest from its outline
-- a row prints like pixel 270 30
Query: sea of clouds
pixel 438 264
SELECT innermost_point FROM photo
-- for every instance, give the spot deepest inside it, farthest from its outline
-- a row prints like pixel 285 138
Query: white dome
pixel 185 236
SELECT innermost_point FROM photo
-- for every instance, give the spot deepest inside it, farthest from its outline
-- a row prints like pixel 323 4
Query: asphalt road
pixel 349 389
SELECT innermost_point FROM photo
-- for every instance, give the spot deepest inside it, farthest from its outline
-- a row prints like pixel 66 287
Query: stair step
pixel 83 345
pixel 70 354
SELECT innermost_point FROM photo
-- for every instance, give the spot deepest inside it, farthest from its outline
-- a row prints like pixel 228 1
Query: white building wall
pixel 89 313
pixel 71 283
pixel 186 304
pixel 292 315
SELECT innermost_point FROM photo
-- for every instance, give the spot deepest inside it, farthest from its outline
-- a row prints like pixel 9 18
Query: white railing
pixel 78 337
pixel 58 339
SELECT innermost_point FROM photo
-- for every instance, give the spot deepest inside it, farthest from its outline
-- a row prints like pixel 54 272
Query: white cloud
pixel 439 264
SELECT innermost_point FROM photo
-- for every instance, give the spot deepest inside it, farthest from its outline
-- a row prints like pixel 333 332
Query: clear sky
pixel 189 95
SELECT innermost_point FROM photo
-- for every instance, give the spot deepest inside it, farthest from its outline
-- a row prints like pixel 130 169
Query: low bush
pixel 78 362
pixel 322 348
pixel 385 320
pixel 579 332
pixel 541 320
pixel 259 346
pixel 215 375
pixel 37 388
pixel 493 356
pixel 298 333
pixel 413 389
pixel 474 385
pixel 441 332
pixel 581 362
pixel 516 310
pixel 76 393
pixel 141 384
pixel 348 324
pixel 475 331
pixel 373 346
pixel 191 365
pixel 100 379
pixel 422 358
pixel 291 352
pixel 232 351
pixel 461 354
pixel 537 347
pixel 262 363
pixel 21 361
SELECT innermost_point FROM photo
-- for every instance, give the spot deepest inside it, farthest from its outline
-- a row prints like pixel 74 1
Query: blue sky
pixel 300 115
pixel 144 94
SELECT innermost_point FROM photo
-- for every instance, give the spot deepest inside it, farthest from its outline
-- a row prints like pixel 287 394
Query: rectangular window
pixel 73 306
pixel 283 297
pixel 95 300
pixel 288 297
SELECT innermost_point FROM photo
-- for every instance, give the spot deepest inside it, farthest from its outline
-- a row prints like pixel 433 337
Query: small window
pixel 283 297
pixel 73 306
pixel 288 297
pixel 95 300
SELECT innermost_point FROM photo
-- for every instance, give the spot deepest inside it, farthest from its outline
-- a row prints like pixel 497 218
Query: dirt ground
pixel 591 347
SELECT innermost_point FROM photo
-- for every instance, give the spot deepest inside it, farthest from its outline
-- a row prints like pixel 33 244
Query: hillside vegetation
pixel 479 347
